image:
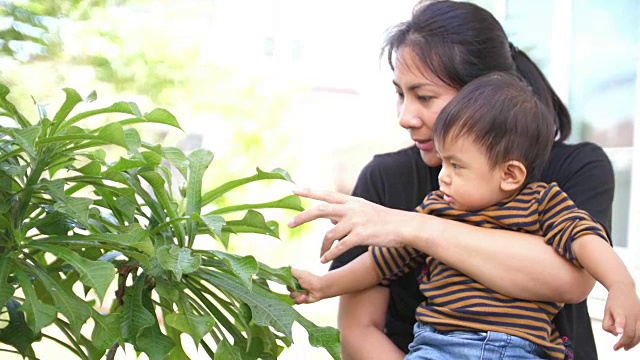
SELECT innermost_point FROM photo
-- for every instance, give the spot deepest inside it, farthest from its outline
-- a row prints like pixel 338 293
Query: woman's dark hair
pixel 460 41
pixel 501 114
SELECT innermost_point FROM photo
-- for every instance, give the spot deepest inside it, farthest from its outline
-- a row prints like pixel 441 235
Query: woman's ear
pixel 514 173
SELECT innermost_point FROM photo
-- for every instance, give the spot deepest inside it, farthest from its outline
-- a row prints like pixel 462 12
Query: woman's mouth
pixel 425 145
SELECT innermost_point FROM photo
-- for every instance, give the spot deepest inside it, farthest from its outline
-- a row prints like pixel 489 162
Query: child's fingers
pixel 625 341
pixel 299 297
pixel 608 323
pixel 619 325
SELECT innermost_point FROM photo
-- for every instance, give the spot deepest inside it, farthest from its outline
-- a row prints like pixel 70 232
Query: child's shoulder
pixel 543 192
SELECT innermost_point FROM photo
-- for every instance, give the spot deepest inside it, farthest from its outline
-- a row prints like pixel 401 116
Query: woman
pixel 444 46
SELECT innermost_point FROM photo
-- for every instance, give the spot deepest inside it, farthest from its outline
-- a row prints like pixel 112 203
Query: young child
pixel 494 138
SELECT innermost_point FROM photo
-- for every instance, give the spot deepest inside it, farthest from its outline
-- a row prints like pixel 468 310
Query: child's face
pixel 467 179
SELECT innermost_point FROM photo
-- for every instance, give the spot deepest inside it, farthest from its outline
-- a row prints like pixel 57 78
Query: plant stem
pixel 111 354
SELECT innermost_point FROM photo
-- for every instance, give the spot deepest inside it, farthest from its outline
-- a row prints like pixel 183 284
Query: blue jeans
pixel 430 344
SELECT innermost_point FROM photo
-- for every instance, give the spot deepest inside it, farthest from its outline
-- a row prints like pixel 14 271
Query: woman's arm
pixel 361 320
pixel 514 264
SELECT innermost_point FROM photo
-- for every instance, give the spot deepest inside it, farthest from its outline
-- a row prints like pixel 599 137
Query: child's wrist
pixel 621 284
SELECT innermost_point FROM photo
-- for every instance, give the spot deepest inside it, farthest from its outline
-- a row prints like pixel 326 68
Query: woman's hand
pixel 357 222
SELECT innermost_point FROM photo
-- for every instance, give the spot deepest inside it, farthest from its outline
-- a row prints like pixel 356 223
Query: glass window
pixel 602 89
pixel 589 51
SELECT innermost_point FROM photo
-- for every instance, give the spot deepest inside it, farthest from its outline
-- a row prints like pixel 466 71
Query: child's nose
pixel 443 177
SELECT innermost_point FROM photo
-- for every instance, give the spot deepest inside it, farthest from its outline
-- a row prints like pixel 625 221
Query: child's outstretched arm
pixel 622 310
pixel 358 275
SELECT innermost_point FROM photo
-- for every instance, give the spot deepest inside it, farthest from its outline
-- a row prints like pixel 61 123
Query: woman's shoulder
pixel 580 150
pixel 567 159
pixel 585 173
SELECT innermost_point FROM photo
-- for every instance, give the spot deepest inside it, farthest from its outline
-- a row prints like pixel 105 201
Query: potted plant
pixel 75 223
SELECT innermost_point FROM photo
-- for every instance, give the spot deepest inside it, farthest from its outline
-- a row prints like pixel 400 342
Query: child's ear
pixel 514 173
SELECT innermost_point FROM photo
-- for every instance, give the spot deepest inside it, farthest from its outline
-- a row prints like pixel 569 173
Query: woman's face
pixel 421 96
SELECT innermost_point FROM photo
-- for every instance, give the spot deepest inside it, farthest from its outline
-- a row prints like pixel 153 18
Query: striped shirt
pixel 457 302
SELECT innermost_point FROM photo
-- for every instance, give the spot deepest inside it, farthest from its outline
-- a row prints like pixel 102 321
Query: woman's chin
pixel 430 158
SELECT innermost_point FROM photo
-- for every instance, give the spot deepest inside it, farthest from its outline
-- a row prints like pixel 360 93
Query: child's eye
pixel 455 166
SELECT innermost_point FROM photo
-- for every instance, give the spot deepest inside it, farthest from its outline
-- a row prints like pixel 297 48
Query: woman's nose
pixel 407 117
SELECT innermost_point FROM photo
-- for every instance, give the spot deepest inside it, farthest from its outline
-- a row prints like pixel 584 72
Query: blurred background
pixel 298 84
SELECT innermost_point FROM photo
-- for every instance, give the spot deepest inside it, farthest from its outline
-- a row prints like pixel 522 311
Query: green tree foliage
pixel 29 29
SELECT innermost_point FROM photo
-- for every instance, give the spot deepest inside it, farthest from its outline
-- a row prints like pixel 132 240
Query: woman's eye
pixel 424 98
pixel 400 95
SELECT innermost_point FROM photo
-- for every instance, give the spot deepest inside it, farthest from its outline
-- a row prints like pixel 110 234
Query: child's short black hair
pixel 504 117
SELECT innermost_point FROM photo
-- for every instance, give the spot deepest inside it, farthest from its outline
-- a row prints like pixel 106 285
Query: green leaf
pixel 275 174
pixel 93 96
pixel 118 107
pixel 15 171
pixel 266 308
pixel 291 202
pixel 162 116
pixel 91 350
pixel 113 134
pixel 262 343
pixel 154 343
pixel 163 203
pixel 72 98
pixel 252 222
pixel 39 314
pixel 243 266
pixel 17 333
pixel 227 351
pixel 177 158
pixel 26 138
pixel 13 113
pixel 76 208
pixel 6 290
pixel 98 275
pixel 199 161
pixel 75 310
pixel 151 158
pixel 106 330
pixel 167 289
pixel 325 337
pixel 93 168
pixel 280 275
pixel 197 326
pixel 133 140
pixel 133 236
pixel 178 260
pixel 213 222
pixel 54 223
pixel 125 164
pixel 133 315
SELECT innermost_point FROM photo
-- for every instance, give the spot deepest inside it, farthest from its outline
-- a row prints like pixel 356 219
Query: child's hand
pixel 311 285
pixel 622 316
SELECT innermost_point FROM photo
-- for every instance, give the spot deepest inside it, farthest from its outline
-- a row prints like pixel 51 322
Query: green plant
pixel 73 222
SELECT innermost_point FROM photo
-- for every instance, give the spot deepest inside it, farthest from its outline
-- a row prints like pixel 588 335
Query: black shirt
pixel 401 180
